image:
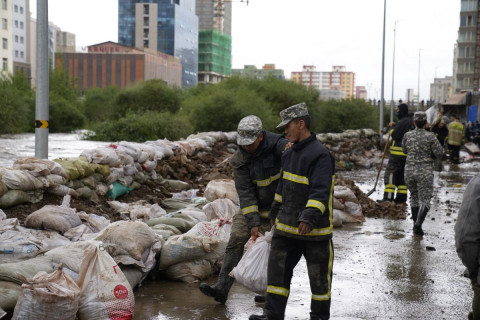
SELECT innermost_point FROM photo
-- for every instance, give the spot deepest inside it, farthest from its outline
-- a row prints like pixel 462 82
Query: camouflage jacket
pixel 421 147
pixel 256 176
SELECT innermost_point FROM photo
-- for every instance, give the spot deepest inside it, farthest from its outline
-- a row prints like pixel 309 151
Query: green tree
pixel 99 104
pixel 64 115
pixel 16 104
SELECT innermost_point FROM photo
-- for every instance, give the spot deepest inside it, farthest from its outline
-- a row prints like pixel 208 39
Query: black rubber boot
pixel 422 213
pixel 414 214
pixel 260 298
pixel 219 291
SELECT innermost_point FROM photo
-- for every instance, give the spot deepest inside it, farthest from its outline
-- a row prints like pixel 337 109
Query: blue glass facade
pixel 177 29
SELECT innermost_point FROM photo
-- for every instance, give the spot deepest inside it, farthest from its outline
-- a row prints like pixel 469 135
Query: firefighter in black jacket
pixel 302 211
pixel 394 173
pixel 256 167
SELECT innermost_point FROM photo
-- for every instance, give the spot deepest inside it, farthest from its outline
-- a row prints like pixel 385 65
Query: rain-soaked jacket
pixel 403 125
pixel 305 191
pixel 256 176
pixel 467 229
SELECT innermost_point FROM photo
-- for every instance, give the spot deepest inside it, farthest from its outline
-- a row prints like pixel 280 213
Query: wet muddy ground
pixel 381 271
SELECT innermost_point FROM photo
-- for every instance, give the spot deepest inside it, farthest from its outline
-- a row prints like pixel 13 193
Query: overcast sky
pixel 322 33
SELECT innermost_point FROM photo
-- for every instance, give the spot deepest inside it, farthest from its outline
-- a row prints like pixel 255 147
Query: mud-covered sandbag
pixel 48 296
pixel 20 180
pixel 105 291
pixel 133 275
pixel 71 255
pixel 31 163
pixel 166 227
pixel 220 208
pixel 182 223
pixel 183 248
pixel 58 218
pixel 9 293
pixel 76 234
pixel 354 209
pixel 3 215
pixel 189 271
pixel 345 217
pixel 62 190
pixel 102 156
pixel 217 230
pixel 13 197
pixel 16 246
pixel 49 239
pixel 27 268
pixel 220 189
pixel 131 237
pixel 178 204
pixel 3 188
pixel 176 185
pixel 95 222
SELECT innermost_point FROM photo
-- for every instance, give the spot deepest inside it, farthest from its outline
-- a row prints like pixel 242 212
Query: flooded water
pixel 381 271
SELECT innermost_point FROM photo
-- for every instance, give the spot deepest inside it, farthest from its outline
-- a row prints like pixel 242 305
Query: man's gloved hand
pixel 255 232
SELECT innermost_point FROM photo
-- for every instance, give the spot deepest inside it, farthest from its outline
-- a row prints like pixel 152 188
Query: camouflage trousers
pixel 284 256
pixel 419 181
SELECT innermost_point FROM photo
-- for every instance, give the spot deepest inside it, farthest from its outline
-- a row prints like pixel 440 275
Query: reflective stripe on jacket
pixel 305 191
pixel 455 133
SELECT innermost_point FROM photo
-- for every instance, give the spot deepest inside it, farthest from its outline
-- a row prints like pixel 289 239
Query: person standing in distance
pixel 302 211
pixel 456 136
pixel 422 149
pixel 256 168
pixel 394 173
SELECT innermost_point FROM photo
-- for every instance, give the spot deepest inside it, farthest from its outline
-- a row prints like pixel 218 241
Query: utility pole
pixel 418 85
pixel 383 68
pixel 42 82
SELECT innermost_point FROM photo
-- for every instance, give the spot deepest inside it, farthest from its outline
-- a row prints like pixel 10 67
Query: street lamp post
pixel 418 85
pixel 392 102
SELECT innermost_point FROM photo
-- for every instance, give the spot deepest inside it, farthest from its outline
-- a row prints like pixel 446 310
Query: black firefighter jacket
pixel 256 176
pixel 403 125
pixel 305 191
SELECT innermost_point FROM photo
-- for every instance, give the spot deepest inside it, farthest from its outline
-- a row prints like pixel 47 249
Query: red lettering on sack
pixel 120 292
pixel 115 269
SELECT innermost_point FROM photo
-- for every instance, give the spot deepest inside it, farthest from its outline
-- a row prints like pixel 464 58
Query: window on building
pixel 16 39
pixel 21 40
pixel 22 55
pixel 16 23
pixel 16 53
pixel 4 43
pixel 4 64
pixel 15 8
pixel 4 24
pixel 21 10
pixel 21 25
pixel 4 4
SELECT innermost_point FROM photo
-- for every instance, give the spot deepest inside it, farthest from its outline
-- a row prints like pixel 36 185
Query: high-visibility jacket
pixel 404 125
pixel 455 133
pixel 305 191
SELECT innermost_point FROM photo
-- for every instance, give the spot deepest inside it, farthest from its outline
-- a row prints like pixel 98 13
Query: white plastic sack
pixel 217 230
pixel 220 208
pixel 220 189
pixel 251 270
pixel 48 296
pixel 105 291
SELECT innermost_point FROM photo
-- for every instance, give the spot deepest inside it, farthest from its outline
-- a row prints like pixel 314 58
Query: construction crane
pixel 219 12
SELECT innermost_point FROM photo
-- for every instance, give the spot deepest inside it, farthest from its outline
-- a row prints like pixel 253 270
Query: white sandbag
pixel 343 192
pixel 338 203
pixel 185 195
pixel 16 246
pixel 105 291
pixel 58 218
pixel 95 222
pixel 220 189
pixel 7 224
pixel 354 209
pixel 3 215
pixel 102 156
pixel 49 239
pixel 195 213
pixel 75 234
pixel 62 190
pixel 48 296
pixel 27 268
pixel 220 208
pixel 180 221
pixel 52 166
pixel 189 271
pixel 70 255
pixel 185 247
pixel 101 189
pixel 133 237
pixel 251 270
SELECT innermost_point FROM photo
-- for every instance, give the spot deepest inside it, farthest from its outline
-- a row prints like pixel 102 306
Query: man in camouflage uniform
pixel 394 173
pixel 303 219
pixel 256 168
pixel 420 145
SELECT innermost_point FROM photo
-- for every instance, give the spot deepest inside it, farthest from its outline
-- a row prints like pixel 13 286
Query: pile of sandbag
pixel 352 148
pixel 110 171
pixel 346 207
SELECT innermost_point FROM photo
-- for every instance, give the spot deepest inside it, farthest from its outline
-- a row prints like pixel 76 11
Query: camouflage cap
pixel 419 115
pixel 293 112
pixel 445 120
pixel 249 128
